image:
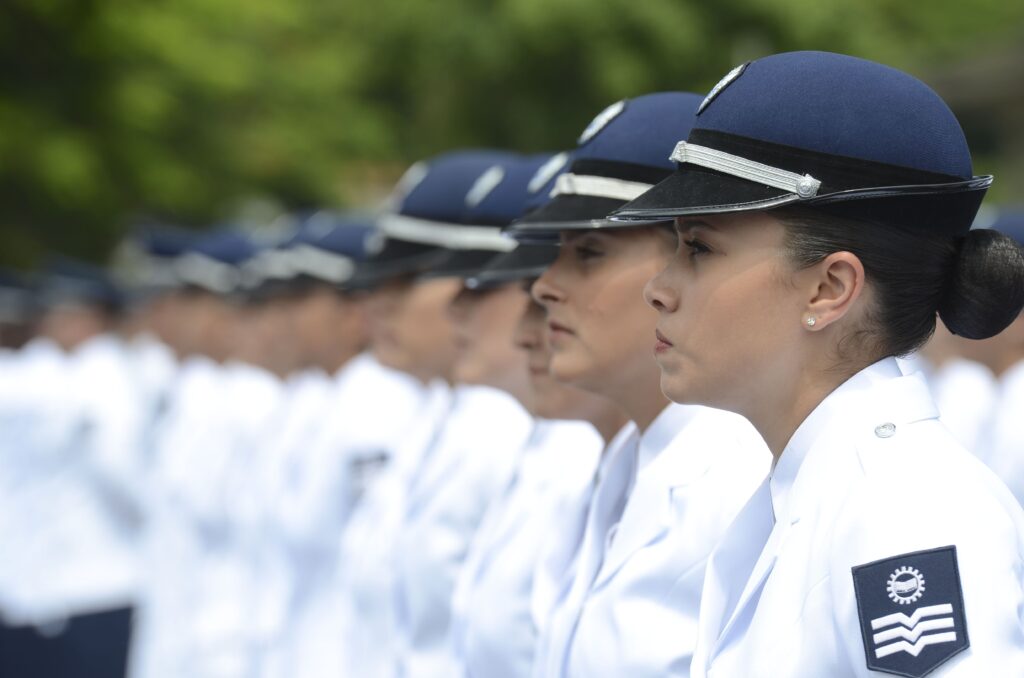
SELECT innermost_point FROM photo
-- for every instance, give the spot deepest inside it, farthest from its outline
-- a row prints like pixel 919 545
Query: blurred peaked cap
pixel 329 247
pixel 351 235
pixel 397 259
pixel 64 280
pixel 430 203
pixel 503 192
pixel 16 296
pixel 543 181
pixel 226 246
pixel 525 262
pixel 436 189
pixel 162 241
pixel 499 196
pixel 213 262
pixel 841 134
pixel 621 154
pixel 1009 220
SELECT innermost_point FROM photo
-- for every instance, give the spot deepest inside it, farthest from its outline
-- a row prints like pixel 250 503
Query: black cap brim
pixel 566 213
pixel 695 190
pixel 460 264
pixel 523 263
pixel 397 259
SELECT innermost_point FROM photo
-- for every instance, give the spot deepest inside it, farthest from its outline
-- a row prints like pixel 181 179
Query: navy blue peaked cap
pixel 426 216
pixel 154 249
pixel 69 281
pixel 164 242
pixel 323 246
pixel 213 262
pixel 498 197
pixel 330 247
pixel 621 154
pixel 16 297
pixel 829 131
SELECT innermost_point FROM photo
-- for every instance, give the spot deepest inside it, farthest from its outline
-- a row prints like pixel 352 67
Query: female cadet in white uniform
pixel 409 332
pixel 823 204
pixel 472 453
pixel 677 478
pixel 493 631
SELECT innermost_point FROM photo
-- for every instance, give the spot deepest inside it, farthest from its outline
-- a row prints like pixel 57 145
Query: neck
pixel 1006 363
pixel 339 360
pixel 608 422
pixel 641 405
pixel 778 413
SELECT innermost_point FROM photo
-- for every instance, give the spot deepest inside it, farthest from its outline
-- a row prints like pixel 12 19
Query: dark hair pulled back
pixel 975 283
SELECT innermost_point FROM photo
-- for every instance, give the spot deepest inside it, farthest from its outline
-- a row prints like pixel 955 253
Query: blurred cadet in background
pixel 475 450
pixel 76 302
pixel 503 592
pixel 16 312
pixel 676 475
pixel 1003 446
pixel 70 483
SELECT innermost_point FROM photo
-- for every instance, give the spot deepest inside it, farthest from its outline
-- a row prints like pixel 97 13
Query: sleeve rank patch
pixel 911 610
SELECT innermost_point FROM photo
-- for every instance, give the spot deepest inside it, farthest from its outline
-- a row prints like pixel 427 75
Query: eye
pixel 695 248
pixel 585 251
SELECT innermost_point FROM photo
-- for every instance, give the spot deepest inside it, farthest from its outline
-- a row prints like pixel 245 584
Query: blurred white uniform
pixel 494 633
pixel 556 563
pixel 638 586
pixel 71 531
pixel 1005 444
pixel 340 431
pixel 870 478
pixel 204 539
pixel 966 394
pixel 356 627
pixel 460 475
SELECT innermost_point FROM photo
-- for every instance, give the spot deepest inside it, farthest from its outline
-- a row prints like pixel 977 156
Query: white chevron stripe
pixel 915 649
pixel 913 634
pixel 911 621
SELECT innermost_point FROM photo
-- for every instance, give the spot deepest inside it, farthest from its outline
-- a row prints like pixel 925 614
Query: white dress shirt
pixel 470 463
pixel 870 475
pixel 494 632
pixel 696 468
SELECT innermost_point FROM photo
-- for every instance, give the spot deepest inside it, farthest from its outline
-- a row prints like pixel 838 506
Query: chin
pixel 569 369
pixel 679 390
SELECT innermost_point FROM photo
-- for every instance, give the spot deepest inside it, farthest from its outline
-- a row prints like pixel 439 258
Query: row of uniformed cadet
pixel 413 445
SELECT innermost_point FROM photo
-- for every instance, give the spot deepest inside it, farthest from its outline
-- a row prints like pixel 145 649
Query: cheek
pixel 617 324
pixel 731 328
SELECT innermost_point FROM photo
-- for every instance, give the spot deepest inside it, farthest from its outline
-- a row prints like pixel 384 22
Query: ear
pixel 835 283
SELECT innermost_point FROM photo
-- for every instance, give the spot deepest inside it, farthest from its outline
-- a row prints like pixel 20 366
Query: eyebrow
pixel 687 224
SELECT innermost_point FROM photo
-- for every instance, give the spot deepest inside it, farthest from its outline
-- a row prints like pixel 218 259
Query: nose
pixel 660 295
pixel 529 334
pixel 544 290
pixel 458 308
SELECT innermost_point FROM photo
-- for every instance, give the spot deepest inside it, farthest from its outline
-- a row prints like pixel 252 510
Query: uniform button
pixel 886 430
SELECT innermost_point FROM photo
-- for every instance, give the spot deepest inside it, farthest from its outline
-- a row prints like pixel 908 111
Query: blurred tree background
pixel 197 111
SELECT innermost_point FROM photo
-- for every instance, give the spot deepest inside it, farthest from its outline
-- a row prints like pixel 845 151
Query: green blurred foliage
pixel 111 110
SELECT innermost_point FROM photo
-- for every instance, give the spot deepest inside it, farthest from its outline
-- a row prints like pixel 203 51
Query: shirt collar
pixel 665 427
pixel 833 414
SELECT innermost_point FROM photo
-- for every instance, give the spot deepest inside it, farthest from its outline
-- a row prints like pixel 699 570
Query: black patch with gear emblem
pixel 911 610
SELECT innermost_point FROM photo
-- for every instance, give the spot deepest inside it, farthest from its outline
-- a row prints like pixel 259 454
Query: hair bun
pixel 986 286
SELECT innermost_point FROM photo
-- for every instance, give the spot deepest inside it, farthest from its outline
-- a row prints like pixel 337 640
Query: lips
pixel 661 344
pixel 540 370
pixel 557 327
